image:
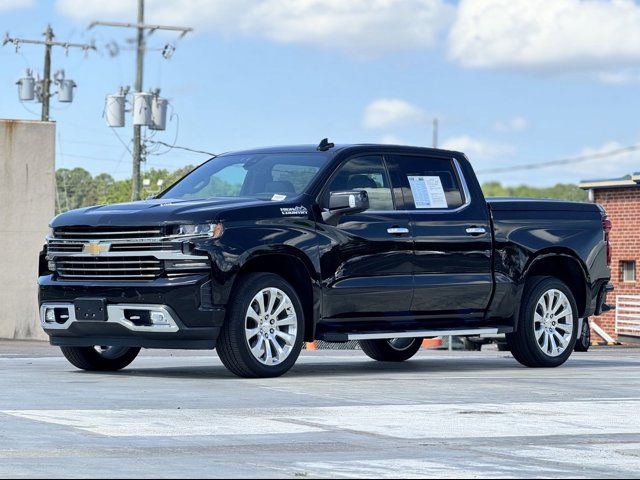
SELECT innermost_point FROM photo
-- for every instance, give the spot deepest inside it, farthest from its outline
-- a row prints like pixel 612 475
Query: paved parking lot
pixel 337 414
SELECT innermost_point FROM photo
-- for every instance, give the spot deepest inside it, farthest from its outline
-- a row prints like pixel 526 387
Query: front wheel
pixel 264 330
pixel 392 350
pixel 100 359
pixel 548 325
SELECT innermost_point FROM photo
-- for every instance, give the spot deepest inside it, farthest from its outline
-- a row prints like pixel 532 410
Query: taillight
pixel 607 225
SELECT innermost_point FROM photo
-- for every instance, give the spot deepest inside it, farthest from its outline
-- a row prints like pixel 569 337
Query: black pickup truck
pixel 256 252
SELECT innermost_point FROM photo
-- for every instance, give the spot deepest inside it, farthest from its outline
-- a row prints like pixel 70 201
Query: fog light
pixel 52 266
pixel 159 318
pixel 50 315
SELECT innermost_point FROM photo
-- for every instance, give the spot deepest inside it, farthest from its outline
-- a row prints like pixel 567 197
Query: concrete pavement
pixel 337 414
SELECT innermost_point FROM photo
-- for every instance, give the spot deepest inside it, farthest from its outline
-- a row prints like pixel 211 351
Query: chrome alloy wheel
pixel 271 326
pixel 553 323
pixel 111 353
pixel 401 344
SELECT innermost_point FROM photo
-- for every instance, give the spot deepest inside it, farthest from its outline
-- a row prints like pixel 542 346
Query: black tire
pixel 91 360
pixel 522 343
pixel 233 347
pixel 584 341
pixel 471 345
pixel 385 351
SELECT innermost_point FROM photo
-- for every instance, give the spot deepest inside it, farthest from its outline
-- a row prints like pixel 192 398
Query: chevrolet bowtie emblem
pixel 96 248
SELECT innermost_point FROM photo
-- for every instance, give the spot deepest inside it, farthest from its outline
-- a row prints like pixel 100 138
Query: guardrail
pixel 628 315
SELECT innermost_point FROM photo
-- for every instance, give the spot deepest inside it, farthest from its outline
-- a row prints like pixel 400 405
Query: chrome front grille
pixel 121 254
pixel 108 268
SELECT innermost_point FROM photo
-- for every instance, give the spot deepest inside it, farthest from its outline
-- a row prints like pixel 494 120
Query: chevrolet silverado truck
pixel 256 252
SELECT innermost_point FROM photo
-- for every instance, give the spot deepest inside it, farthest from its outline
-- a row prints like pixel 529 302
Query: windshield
pixel 271 176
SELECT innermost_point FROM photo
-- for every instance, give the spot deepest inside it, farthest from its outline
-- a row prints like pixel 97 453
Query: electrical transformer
pixel 27 87
pixel 142 109
pixel 115 110
pixel 159 113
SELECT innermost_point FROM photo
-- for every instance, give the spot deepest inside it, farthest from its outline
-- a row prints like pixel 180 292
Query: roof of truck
pixel 335 149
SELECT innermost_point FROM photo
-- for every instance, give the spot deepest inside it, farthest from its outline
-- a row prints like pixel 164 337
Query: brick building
pixel 621 199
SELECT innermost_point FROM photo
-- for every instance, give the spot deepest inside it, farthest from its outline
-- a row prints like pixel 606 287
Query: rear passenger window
pixel 429 183
pixel 365 173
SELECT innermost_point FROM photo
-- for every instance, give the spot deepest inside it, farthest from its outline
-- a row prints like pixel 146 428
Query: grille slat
pixel 100 233
pixel 120 268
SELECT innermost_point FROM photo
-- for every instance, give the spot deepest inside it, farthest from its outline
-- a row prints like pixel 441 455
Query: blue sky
pixel 512 82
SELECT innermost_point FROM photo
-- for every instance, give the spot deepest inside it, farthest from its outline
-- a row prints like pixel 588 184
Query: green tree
pixel 559 191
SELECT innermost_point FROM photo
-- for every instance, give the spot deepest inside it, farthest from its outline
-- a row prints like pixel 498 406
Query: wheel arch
pixel 296 268
pixel 564 265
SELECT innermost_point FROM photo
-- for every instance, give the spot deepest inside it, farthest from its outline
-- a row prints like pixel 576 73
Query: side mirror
pixel 347 202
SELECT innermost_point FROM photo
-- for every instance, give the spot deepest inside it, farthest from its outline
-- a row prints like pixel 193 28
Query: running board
pixel 340 337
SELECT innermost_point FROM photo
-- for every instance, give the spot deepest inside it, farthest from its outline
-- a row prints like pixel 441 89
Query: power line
pixel 184 148
pixel 564 161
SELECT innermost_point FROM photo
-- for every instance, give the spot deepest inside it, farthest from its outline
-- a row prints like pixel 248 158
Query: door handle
pixel 476 231
pixel 398 231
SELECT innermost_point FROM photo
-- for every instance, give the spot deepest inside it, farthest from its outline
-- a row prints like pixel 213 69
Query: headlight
pixel 213 230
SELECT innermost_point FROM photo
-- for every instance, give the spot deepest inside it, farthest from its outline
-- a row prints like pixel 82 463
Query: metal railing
pixel 628 315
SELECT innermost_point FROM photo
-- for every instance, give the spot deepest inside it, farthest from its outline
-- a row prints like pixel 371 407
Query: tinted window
pixel 365 173
pixel 266 176
pixel 429 183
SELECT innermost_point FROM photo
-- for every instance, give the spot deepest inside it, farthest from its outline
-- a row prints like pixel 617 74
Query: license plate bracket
pixel 91 309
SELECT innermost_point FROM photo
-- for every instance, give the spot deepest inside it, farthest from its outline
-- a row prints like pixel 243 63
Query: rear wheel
pixel 264 331
pixel 584 341
pixel 547 330
pixel 100 359
pixel 391 350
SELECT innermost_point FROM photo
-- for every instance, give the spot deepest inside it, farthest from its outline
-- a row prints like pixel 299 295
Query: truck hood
pixel 154 212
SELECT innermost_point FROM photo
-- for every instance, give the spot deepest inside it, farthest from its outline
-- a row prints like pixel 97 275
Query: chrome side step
pixel 386 335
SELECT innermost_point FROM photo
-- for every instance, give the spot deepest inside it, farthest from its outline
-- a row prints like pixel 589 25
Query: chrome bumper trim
pixel 116 316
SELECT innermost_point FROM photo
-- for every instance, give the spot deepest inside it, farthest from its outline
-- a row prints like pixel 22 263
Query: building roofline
pixel 624 182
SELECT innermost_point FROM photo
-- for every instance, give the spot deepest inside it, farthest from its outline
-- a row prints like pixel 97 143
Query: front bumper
pixel 192 321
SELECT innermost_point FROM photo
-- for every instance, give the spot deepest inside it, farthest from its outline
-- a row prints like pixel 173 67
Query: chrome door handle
pixel 476 231
pixel 398 231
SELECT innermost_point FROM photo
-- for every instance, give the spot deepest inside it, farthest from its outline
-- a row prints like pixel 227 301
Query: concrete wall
pixel 27 204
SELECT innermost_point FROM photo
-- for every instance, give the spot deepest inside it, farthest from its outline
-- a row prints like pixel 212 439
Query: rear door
pixel 452 237
pixel 367 259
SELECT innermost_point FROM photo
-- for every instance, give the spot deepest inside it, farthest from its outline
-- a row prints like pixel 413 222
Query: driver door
pixel 367 258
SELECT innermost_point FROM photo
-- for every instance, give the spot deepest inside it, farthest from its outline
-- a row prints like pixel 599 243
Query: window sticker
pixel 278 198
pixel 428 192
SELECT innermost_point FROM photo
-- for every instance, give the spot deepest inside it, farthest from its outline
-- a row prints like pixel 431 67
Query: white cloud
pixel 6 5
pixel 477 149
pixel 360 27
pixel 546 34
pixel 391 139
pixel 391 112
pixel 513 125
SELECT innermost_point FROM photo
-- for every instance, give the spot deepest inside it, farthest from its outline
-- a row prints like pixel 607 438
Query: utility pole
pixel 137 129
pixel 435 132
pixel 46 82
pixel 48 46
pixel 142 28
